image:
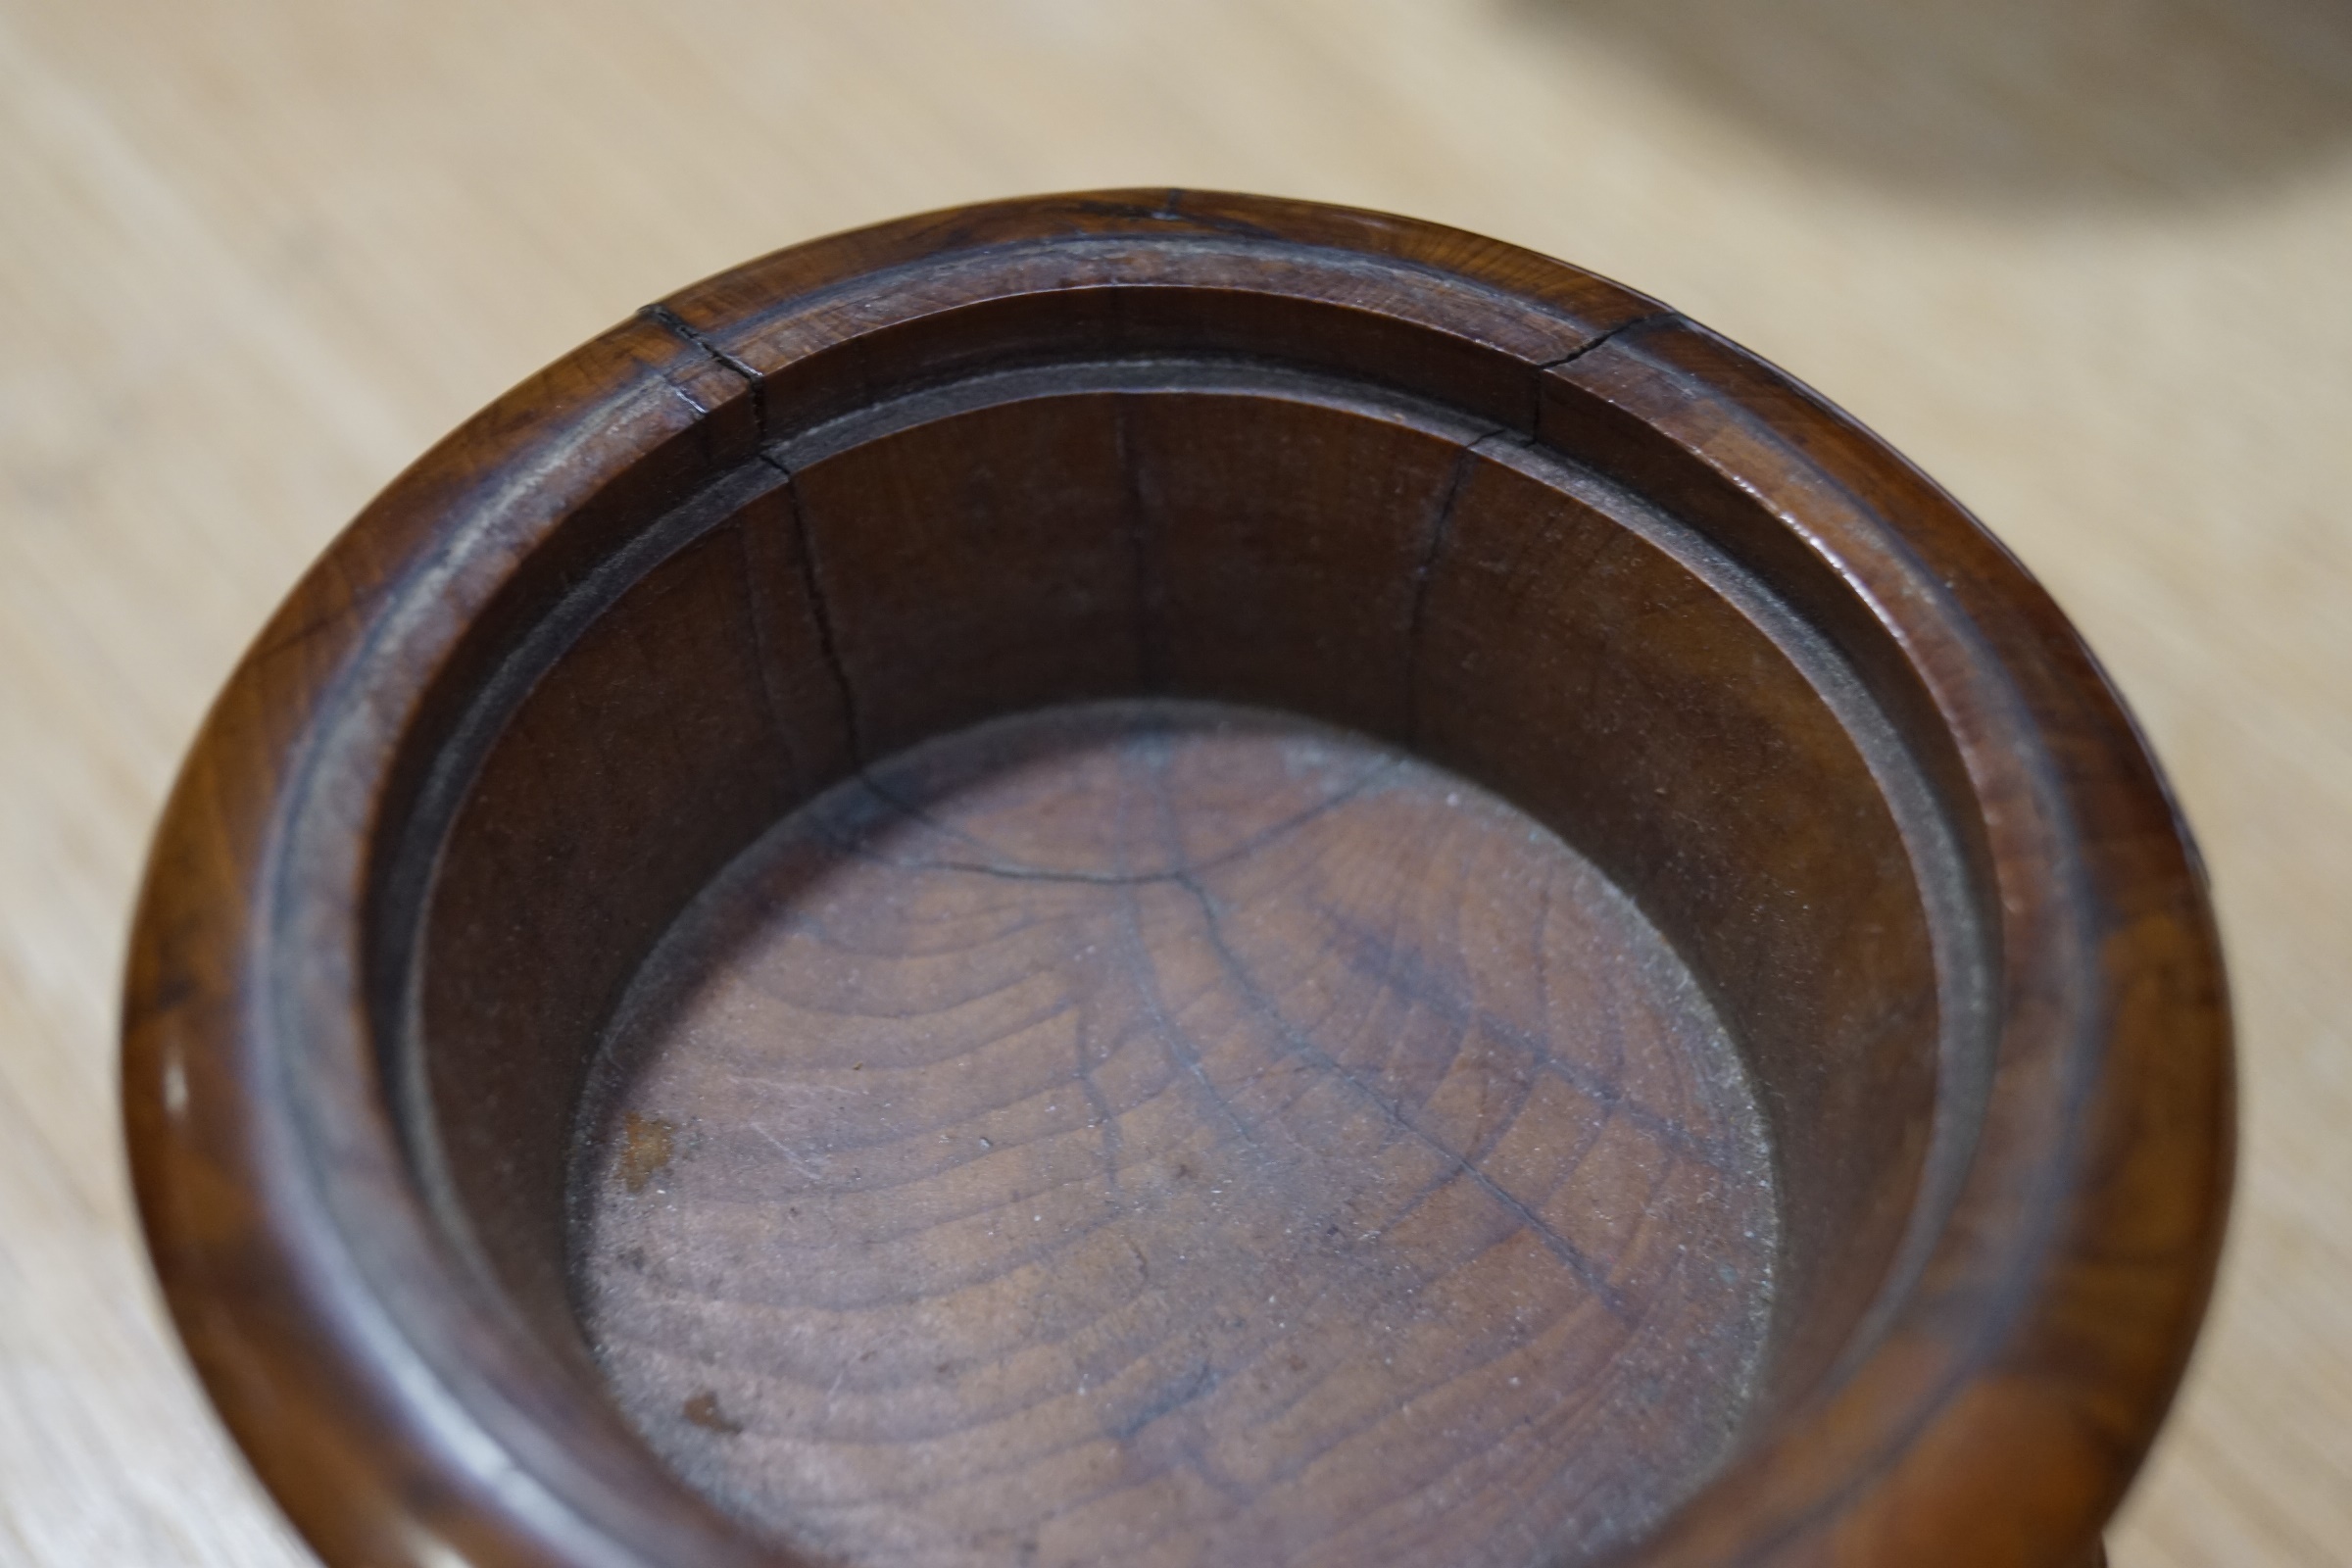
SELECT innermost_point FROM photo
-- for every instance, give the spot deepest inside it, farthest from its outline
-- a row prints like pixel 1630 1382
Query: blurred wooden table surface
pixel 2089 262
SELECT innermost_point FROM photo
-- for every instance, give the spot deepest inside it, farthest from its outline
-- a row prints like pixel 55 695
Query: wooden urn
pixel 1163 879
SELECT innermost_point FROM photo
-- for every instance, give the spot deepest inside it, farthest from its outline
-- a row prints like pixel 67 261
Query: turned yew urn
pixel 1162 878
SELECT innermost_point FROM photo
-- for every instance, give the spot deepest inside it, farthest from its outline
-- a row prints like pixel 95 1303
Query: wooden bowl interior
pixel 1205 532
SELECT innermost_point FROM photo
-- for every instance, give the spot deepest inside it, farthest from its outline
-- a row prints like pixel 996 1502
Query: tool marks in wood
pixel 1182 1133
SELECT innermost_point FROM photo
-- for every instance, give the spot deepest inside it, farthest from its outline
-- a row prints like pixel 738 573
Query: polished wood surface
pixel 275 250
pixel 1471 501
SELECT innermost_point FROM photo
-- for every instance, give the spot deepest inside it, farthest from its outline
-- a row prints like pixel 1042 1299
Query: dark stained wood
pixel 1731 821
pixel 601 1014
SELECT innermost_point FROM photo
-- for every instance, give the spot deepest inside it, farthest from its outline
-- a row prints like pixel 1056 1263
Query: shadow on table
pixel 2048 103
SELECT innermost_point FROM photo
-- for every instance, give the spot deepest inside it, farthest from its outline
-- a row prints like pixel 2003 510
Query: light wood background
pixel 2088 261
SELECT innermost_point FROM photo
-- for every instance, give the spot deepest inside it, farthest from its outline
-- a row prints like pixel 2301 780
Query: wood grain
pixel 1779 688
pixel 275 249
pixel 1136 1130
